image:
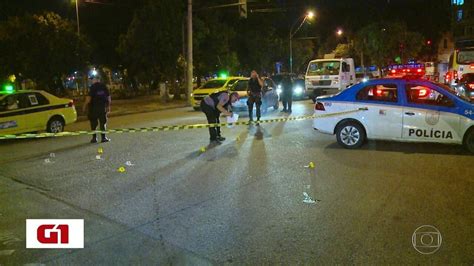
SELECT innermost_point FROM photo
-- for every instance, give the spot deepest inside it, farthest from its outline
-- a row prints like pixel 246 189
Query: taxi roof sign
pixel 8 88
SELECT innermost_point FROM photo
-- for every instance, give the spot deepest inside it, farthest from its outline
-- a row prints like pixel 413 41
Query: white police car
pixel 399 109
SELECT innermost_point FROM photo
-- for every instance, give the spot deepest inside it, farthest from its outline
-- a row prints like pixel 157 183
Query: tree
pixel 213 45
pixel 259 45
pixel 152 45
pixel 41 47
pixel 383 42
pixel 303 52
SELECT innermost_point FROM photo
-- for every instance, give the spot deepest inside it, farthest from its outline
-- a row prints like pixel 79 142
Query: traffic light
pixel 243 8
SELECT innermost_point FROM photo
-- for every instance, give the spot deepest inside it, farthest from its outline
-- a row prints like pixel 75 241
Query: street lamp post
pixel 308 15
pixel 77 18
pixel 189 55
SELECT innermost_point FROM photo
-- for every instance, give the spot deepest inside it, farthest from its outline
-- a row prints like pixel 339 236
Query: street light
pixel 309 15
pixel 339 32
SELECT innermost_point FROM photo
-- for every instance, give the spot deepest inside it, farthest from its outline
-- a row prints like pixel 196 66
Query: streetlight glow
pixel 339 32
pixel 305 17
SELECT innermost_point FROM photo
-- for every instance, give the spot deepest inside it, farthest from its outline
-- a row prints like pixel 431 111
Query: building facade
pixel 462 19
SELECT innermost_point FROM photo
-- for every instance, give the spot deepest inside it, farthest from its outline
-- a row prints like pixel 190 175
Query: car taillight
pixel 319 106
pixel 71 103
pixel 422 93
pixel 471 86
pixel 455 74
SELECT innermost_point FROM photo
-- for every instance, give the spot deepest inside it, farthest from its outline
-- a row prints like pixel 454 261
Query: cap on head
pixel 236 95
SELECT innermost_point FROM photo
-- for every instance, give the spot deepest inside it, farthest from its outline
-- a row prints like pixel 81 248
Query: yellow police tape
pixel 168 128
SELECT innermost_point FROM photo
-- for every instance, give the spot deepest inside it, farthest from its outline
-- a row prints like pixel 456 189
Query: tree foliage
pixel 41 47
pixel 152 45
pixel 383 42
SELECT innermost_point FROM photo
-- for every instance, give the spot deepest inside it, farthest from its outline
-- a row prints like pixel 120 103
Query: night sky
pixel 105 22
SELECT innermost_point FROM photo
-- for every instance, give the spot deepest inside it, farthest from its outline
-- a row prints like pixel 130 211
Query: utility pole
pixel 189 55
pixel 77 17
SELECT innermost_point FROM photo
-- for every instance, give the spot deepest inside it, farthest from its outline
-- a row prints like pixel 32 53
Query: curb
pixel 84 117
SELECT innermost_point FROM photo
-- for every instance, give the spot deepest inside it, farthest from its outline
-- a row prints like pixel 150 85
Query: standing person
pixel 215 104
pixel 254 91
pixel 287 93
pixel 98 104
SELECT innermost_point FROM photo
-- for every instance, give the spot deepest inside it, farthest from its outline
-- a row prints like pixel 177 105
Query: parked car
pixel 299 90
pixel 270 95
pixel 465 86
pixel 211 86
pixel 34 110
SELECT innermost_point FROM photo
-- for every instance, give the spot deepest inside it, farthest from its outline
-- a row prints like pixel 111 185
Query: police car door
pixel 382 110
pixel 430 114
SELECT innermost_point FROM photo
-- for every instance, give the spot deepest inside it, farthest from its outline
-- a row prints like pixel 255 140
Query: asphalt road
pixel 240 202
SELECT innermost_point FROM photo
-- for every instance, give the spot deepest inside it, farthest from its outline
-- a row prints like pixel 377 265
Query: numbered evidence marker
pixel 121 169
pixel 100 151
pixel 310 165
pixel 203 149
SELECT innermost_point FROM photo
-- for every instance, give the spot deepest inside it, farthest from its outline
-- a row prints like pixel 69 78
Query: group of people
pixel 98 102
pixel 221 103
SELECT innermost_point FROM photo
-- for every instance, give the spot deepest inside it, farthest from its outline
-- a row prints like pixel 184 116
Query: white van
pixel 329 76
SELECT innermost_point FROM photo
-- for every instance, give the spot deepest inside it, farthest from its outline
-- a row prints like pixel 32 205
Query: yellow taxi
pixel 26 111
pixel 212 86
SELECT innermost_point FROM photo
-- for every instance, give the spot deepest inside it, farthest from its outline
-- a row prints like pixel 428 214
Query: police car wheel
pixel 55 125
pixel 350 135
pixel 469 141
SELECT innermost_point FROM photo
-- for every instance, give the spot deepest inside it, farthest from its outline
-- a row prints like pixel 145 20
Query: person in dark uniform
pixel 215 104
pixel 254 92
pixel 98 104
pixel 287 93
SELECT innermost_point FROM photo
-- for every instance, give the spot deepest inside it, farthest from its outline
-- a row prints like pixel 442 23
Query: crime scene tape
pixel 168 128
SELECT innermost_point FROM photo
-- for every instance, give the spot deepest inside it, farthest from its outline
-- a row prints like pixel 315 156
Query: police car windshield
pixel 453 92
pixel 213 84
pixel 324 68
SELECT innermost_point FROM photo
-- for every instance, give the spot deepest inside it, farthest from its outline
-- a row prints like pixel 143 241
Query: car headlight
pixel 365 79
pixel 279 90
pixel 298 90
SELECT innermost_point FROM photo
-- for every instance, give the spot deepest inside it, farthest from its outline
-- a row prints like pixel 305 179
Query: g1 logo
pixel 54 233
pixel 469 112
pixel 48 234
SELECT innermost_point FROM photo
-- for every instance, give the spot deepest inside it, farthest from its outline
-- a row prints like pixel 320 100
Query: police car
pixel 33 110
pixel 399 109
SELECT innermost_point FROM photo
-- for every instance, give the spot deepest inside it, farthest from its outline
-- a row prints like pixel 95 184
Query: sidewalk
pixel 141 104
